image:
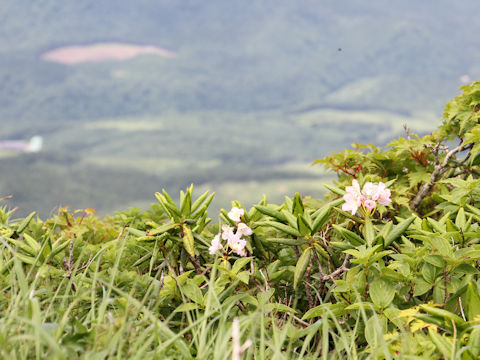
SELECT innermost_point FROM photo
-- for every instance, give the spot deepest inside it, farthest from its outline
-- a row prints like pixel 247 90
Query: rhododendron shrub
pixel 385 266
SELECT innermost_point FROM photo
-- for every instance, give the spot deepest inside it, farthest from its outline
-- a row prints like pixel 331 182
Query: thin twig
pixel 339 271
pixel 439 170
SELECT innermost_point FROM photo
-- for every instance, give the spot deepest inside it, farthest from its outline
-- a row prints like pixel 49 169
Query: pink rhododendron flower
pixel 353 198
pixel 235 214
pixel 243 229
pixel 368 197
pixel 227 231
pixel 236 243
pixel 383 195
pixel 233 235
pixel 215 245
pixel 370 205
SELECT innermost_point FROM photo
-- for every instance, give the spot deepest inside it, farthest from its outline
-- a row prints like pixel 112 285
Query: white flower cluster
pixel 233 235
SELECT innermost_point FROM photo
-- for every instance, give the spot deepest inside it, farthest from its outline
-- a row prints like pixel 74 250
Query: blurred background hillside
pixel 235 96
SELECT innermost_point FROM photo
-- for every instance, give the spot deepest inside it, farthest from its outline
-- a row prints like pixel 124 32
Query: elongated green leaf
pixel 472 302
pixel 240 263
pixel 59 247
pixel 349 216
pixel 282 227
pixel 291 219
pixel 25 258
pixel 188 240
pixel 136 232
pixel 286 241
pixel 442 344
pixel 398 231
pixel 196 204
pixel 168 198
pixel 342 245
pixel 279 307
pixel 307 219
pixel 23 225
pixel 298 208
pixel 473 209
pixel 270 212
pixel 443 314
pixel 162 229
pixel 460 220
pixel 335 190
pixel 348 235
pixel 303 226
pixel 301 266
pixel 322 251
pixel 21 245
pixel 325 309
pixel 32 242
pixel 368 231
pixel 320 218
pixel 187 307
pixel 186 204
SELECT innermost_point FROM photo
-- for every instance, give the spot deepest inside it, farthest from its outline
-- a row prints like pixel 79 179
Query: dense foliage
pixel 313 278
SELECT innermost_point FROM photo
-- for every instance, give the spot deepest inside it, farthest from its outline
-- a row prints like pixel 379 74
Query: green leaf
pixel 32 243
pixel 398 231
pixel 443 344
pixel 199 201
pixel 336 310
pixel 429 273
pixel 435 260
pixel 285 241
pixel 136 232
pixel 320 218
pixel 264 296
pixel 460 220
pixel 298 208
pixel 271 212
pixel 279 307
pixel 291 219
pixel 162 229
pixel 188 240
pixel 348 235
pixel 382 292
pixel 282 227
pixel 244 277
pixel 472 302
pixel 23 225
pixel 240 263
pixel 335 190
pixel 368 231
pixel 187 307
pixel 186 204
pixel 301 266
pixel 303 226
pixel 421 287
pixel 443 314
pixel 191 291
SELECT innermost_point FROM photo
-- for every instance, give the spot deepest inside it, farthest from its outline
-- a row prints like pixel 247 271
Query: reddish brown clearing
pixel 72 55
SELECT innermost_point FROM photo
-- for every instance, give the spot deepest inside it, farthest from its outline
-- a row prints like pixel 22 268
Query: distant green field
pixel 114 163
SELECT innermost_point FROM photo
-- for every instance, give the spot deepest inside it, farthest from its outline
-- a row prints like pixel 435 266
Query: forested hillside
pixel 256 90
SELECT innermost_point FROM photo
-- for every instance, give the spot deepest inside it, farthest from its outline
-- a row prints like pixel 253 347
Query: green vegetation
pixel 312 280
